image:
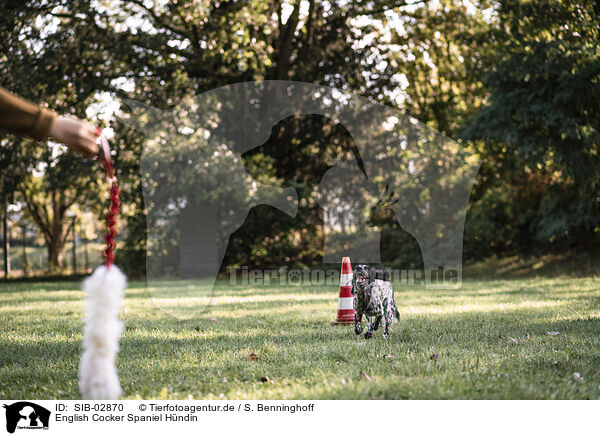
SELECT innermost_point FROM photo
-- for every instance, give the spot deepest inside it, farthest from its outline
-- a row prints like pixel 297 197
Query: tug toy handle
pixel 105 160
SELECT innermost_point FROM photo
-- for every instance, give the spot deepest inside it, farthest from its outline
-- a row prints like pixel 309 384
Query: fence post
pixel 25 261
pixel 74 249
pixel 6 242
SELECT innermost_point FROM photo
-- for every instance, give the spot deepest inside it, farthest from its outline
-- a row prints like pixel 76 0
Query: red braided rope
pixel 113 212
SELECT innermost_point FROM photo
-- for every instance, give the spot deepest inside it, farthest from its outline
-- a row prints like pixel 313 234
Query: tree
pixel 193 49
pixel 434 59
pixel 48 179
pixel 543 110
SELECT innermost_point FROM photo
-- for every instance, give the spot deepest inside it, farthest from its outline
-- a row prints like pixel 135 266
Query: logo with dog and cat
pixel 24 415
pixel 379 175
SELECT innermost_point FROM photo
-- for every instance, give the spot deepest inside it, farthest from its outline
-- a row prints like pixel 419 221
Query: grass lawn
pixel 491 340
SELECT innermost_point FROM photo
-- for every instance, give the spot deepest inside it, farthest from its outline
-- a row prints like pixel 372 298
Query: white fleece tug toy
pixel 98 379
pixel 104 289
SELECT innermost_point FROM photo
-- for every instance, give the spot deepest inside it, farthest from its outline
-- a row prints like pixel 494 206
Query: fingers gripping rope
pixel 111 216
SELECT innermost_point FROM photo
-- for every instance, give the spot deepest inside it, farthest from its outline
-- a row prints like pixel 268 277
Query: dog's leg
pixel 395 311
pixel 388 314
pixel 377 323
pixel 369 328
pixel 357 319
pixel 386 326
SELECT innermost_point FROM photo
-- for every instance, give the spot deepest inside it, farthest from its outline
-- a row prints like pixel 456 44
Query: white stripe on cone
pixel 345 303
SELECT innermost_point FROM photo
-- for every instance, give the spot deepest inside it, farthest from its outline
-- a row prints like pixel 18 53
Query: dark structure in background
pixel 198 248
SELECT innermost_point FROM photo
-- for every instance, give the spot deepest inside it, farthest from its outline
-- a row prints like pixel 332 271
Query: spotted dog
pixel 373 297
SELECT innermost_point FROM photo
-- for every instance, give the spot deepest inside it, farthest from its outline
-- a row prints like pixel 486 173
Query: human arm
pixel 20 116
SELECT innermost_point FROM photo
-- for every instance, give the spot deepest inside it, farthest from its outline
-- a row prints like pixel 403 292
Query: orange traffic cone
pixel 345 313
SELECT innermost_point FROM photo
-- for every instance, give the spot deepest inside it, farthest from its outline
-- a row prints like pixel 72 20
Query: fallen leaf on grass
pixel 577 377
pixel 365 375
pixel 388 356
pixel 552 333
pixel 513 340
pixel 265 379
pixel 213 319
pixel 434 356
pixel 253 356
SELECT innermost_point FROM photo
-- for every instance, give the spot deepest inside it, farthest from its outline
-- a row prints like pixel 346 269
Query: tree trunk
pixel 286 34
pixel 56 253
pixel 55 242
pixel 50 223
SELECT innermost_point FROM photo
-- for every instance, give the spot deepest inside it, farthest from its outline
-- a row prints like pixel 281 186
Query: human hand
pixel 76 134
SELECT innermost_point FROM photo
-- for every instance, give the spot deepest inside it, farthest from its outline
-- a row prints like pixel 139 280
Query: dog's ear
pixel 353 282
pixel 372 274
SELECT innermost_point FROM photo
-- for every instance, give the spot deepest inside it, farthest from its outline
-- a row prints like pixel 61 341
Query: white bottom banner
pixel 156 417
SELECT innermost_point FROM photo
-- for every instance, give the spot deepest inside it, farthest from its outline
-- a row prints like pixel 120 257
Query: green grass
pixel 303 356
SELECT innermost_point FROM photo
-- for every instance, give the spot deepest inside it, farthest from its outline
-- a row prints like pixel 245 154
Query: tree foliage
pixel 543 118
pixel 514 80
